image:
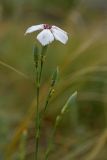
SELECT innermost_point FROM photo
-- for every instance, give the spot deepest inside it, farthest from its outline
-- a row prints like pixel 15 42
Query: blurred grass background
pixel 82 134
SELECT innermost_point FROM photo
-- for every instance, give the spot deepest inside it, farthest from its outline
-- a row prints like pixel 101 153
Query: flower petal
pixel 55 27
pixel 45 37
pixel 34 28
pixel 59 34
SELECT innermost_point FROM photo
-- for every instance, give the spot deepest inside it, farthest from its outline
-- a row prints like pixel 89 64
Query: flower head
pixel 48 34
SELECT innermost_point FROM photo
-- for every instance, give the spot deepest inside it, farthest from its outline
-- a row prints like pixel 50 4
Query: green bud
pixel 36 55
pixel 55 77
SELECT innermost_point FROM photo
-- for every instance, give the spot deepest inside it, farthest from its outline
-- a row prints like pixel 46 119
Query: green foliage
pixel 17 8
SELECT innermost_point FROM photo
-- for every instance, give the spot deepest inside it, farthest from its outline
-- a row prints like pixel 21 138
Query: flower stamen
pixel 47 26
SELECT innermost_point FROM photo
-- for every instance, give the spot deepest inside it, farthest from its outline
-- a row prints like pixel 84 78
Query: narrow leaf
pixel 69 102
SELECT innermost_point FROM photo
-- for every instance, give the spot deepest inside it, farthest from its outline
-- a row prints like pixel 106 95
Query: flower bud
pixel 55 77
pixel 36 55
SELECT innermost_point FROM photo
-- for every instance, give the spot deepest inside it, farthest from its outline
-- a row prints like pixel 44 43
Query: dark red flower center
pixel 47 26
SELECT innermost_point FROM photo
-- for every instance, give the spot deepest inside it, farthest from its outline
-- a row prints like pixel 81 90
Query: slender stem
pixel 50 143
pixel 37 118
pixel 42 113
pixel 22 146
pixel 58 119
pixel 39 68
pixel 51 91
pixel 69 102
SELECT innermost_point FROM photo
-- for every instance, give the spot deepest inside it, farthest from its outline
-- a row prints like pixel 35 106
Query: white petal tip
pixel 65 42
pixel 34 28
pixel 60 35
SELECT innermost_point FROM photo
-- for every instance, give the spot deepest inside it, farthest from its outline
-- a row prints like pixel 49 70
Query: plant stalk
pixel 37 118
pixel 50 143
pixel 39 68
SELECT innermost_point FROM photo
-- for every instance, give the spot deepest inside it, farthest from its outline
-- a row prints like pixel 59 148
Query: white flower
pixel 48 34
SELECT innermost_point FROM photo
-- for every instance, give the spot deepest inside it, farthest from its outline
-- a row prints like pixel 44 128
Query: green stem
pixel 50 143
pixel 23 145
pixel 42 113
pixel 69 102
pixel 37 118
pixel 51 91
pixel 49 148
pixel 39 68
